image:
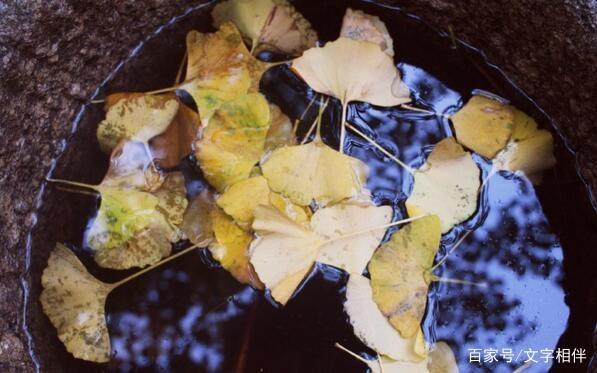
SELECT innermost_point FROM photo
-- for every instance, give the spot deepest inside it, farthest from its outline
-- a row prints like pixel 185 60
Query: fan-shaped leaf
pixel 273 25
pixel 446 185
pixel 74 302
pixel 400 275
pixel 314 172
pixel 484 125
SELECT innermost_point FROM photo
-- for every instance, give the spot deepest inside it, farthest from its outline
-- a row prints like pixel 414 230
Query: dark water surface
pixel 533 246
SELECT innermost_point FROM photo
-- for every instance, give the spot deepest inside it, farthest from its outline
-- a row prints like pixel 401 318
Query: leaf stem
pixel 381 149
pixel 445 257
pixel 72 190
pixel 458 281
pixel 101 101
pixel 178 78
pixel 297 121
pixel 414 108
pixel 153 266
pixel 72 183
pixel 358 357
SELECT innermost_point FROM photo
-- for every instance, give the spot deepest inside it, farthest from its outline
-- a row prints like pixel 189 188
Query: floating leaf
pixel 371 326
pixel 442 359
pixel 170 147
pixel 280 130
pixel 268 24
pixel 447 185
pixel 352 70
pixel 358 25
pixel 400 273
pixel 314 172
pixel 343 235
pixel 242 198
pixel 230 248
pixel 484 125
pixel 530 150
pixel 135 229
pixel 220 69
pixel 74 302
pixel 136 117
pixel 234 141
pixel 283 252
pixel 197 222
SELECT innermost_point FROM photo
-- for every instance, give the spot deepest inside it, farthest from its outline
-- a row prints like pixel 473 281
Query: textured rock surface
pixel 53 54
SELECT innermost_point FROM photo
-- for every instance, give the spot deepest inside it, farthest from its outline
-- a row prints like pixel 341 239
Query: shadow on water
pixel 532 246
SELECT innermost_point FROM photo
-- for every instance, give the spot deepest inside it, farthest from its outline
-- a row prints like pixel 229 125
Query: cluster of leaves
pixel 277 207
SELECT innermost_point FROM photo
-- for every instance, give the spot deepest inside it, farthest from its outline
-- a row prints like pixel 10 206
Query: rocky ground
pixel 54 53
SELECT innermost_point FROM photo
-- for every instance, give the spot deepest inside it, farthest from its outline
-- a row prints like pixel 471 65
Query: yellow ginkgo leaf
pixel 359 25
pixel 268 24
pixel 283 252
pixel 484 125
pixel 400 273
pixel 231 248
pixel 280 130
pixel 197 222
pixel 344 235
pixel 220 69
pixel 371 326
pixel 352 70
pixel 135 117
pixel 446 185
pixel 242 198
pixel 442 359
pixel 530 150
pixel 234 141
pixel 74 302
pixel 314 172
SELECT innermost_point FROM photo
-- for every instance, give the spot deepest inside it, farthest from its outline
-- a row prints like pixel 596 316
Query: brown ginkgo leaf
pixel 74 301
pixel 359 25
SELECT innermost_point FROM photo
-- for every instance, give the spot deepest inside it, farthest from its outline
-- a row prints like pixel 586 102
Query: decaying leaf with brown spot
pixel 530 150
pixel 231 248
pixel 269 25
pixel 136 229
pixel 74 302
pixel 197 222
pixel 446 185
pixel 344 235
pixel 400 273
pixel 359 25
pixel 484 125
pixel 234 141
pixel 280 130
pixel 136 117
